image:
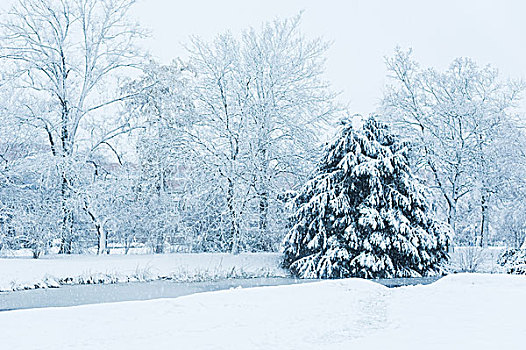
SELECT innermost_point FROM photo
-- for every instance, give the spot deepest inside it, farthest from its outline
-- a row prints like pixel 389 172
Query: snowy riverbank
pixel 465 311
pixel 53 271
pixel 18 273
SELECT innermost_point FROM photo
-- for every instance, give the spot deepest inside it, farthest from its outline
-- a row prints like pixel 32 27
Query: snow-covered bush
pixel 469 259
pixel 514 261
pixel 363 213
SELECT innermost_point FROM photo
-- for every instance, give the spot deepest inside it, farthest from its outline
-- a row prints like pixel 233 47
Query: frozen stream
pixel 107 293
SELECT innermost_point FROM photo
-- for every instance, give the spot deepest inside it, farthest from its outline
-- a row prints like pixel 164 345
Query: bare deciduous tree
pixel 460 121
pixel 64 56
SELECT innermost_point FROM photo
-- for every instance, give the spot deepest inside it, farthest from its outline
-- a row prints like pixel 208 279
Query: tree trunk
pixel 263 219
pixel 159 243
pixel 103 247
pixel 483 219
pixel 65 237
pixel 36 253
pixel 452 216
pixel 263 212
pixel 67 215
pixel 127 243
pixel 234 229
pixel 263 185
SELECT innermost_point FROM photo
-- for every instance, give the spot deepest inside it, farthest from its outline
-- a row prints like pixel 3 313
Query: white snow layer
pixel 465 311
pixel 18 274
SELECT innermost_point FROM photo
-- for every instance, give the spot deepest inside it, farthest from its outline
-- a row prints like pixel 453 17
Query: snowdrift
pixel 465 311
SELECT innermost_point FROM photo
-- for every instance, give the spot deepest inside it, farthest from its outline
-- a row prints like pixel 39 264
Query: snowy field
pixel 465 311
pixel 53 271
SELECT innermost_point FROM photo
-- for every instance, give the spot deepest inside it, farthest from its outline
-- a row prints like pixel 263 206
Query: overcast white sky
pixel 362 32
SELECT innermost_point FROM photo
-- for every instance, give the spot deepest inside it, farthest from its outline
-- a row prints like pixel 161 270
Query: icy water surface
pixel 107 293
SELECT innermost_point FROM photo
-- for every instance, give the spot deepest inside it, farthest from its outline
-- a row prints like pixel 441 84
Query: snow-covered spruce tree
pixel 363 214
pixel 514 260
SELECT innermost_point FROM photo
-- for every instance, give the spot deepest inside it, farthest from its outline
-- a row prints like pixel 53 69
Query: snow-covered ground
pixel 465 311
pixel 52 271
